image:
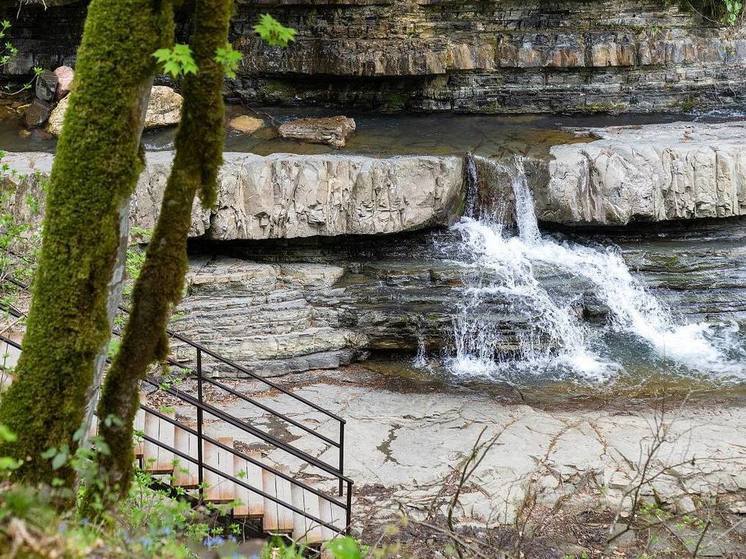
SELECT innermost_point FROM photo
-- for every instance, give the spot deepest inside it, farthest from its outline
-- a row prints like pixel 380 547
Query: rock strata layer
pixel 466 56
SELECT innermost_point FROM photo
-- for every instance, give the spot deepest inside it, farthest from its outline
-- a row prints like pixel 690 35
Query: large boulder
pixel 65 76
pixel 38 113
pixel 289 196
pixel 656 172
pixel 328 130
pixel 164 109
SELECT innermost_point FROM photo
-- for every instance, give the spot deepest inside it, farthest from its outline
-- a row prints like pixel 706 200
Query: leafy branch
pixel 273 32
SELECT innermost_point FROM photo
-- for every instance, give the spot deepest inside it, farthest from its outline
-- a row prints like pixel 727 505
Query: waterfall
pixel 558 339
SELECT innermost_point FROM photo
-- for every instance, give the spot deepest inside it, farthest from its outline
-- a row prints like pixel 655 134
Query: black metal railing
pixel 202 407
pixel 242 371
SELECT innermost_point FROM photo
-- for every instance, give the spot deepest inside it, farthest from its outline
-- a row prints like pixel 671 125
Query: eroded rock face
pixel 290 196
pixel 647 173
pixel 286 196
pixel 329 130
pixel 268 317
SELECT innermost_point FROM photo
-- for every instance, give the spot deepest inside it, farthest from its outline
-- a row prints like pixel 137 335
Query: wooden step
pixel 157 460
pixel 219 489
pixel 139 427
pixel 333 514
pixel 277 518
pixel 250 503
pixel 305 529
pixel 186 472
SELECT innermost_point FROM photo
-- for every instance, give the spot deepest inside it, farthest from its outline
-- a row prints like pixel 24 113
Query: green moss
pixel 199 147
pixel 688 104
pixel 604 107
pixel 95 171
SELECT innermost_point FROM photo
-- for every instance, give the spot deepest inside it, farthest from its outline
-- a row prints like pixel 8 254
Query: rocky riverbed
pixel 562 472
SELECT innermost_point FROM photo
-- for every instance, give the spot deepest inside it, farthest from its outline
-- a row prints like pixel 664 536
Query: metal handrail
pixel 202 349
pixel 202 407
pixel 238 423
pixel 202 465
pixel 242 455
pixel 245 485
pixel 261 406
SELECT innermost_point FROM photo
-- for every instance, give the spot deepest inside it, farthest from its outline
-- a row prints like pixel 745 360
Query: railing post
pixel 200 442
pixel 349 508
pixel 341 456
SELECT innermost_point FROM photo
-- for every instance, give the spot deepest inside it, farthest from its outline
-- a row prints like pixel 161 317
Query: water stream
pixel 515 264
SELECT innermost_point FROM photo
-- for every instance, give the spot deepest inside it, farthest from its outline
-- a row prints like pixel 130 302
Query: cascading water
pixel 520 269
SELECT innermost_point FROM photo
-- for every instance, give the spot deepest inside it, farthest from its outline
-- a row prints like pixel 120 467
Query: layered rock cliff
pixel 465 55
pixel 507 56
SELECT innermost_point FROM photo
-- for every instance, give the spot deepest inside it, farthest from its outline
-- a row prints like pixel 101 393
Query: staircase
pixel 214 457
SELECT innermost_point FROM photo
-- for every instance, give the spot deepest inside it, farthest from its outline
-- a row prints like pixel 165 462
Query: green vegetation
pixel 273 32
pixel 729 12
pixel 176 61
pixel 8 52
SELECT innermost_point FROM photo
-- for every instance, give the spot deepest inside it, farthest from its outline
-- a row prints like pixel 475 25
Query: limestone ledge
pixel 290 196
pixel 647 173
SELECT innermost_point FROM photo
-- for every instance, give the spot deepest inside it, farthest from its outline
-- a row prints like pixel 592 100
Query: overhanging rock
pixel 289 196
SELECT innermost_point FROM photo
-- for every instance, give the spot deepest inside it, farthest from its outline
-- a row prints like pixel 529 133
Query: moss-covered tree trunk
pixel 199 146
pixel 94 174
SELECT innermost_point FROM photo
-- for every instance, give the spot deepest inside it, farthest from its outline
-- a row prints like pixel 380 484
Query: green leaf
pixel 7 463
pixel 273 32
pixel 6 435
pixel 344 548
pixel 177 61
pixel 59 460
pixel 229 59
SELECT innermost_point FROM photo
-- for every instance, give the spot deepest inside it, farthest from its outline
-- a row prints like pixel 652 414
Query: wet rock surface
pixel 246 124
pixel 337 301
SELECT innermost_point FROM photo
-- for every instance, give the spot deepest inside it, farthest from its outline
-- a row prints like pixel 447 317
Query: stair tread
pixel 219 489
pixel 305 529
pixel 250 503
pixel 332 514
pixel 277 518
pixel 156 459
pixel 139 427
pixel 186 474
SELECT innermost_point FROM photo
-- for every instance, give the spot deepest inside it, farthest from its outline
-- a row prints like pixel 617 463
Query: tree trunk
pixel 94 174
pixel 199 146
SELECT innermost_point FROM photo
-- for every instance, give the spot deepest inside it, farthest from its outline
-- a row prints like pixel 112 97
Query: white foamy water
pixel 510 263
